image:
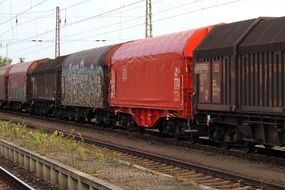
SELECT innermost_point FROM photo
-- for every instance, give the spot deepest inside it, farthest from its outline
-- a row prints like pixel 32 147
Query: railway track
pixel 203 177
pixel 260 154
pixel 9 182
pixel 185 171
pixel 264 155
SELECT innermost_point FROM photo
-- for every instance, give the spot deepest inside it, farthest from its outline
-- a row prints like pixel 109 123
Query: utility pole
pixel 148 21
pixel 57 33
pixel 7 50
pixel 2 11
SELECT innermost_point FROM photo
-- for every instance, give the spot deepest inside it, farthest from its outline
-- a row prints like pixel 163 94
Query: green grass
pixel 54 144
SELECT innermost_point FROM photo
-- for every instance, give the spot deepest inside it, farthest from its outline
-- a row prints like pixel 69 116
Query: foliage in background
pixel 22 59
pixel 5 61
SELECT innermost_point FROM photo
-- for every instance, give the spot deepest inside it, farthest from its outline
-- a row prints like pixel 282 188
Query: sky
pixel 27 27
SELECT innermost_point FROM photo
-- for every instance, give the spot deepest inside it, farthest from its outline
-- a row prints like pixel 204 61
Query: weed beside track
pixel 52 144
pixel 91 159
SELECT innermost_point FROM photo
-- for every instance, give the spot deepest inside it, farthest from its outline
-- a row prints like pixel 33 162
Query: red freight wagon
pixel 151 79
pixel 19 83
pixel 4 72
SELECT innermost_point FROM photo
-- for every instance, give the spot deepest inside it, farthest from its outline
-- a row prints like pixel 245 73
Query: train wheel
pixel 98 121
pixel 162 131
pixel 58 115
pixel 70 116
pixel 225 146
pixel 89 119
pixel 248 147
pixel 130 124
pixel 106 120
pixel 141 130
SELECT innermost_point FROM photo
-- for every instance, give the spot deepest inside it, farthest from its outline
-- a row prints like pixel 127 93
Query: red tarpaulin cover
pixel 148 73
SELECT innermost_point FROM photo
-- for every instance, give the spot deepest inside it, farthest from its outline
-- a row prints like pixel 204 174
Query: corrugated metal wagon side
pixel 4 73
pixel 19 84
pixel 85 84
pixel 46 92
pixel 151 81
pixel 216 65
pixel 261 69
pixel 240 84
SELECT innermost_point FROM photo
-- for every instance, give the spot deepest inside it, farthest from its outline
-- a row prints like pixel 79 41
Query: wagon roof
pixel 268 35
pixel 227 39
pixel 21 67
pixel 27 67
pixel 178 43
pixel 50 65
pixel 87 57
pixel 5 70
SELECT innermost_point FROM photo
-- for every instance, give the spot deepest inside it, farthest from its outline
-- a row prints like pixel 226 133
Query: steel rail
pixel 187 165
pixel 262 154
pixel 13 181
pixel 258 183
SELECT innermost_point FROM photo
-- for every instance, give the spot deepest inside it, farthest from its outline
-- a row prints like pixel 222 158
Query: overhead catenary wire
pixel 117 23
pixel 27 13
pixel 48 41
pixel 137 25
pixel 36 12
pixel 157 20
pixel 179 6
pixel 107 12
pixel 6 40
pixel 5 32
pixel 197 10
pixel 26 22
pixel 37 49
pixel 23 12
pixel 36 18
pixel 76 4
pixel 51 30
pixel 126 21
pixel 16 17
pixel 37 35
pixel 106 26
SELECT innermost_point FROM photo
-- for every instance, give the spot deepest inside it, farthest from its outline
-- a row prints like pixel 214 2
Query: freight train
pixel 225 81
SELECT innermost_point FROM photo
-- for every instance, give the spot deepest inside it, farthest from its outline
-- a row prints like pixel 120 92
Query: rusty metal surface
pixel 35 64
pixel 209 90
pixel 268 35
pixel 45 80
pixel 248 78
pixel 261 67
pixel 4 71
pixel 50 65
pixel 204 81
pixel 44 86
pixel 221 39
pixel 17 82
pixel 2 83
pixel 262 79
pixel 217 90
pixel 83 78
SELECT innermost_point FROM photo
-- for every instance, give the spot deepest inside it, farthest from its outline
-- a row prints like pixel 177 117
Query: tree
pixel 5 61
pixel 22 59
